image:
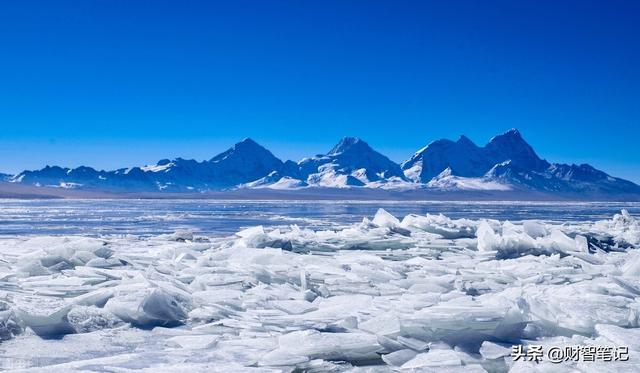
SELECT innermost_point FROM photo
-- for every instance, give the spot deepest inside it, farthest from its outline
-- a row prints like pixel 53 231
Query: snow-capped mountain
pixel 275 180
pixel 507 163
pixel 447 181
pixel 511 146
pixel 464 158
pixel 352 162
pixel 246 161
pixel 561 178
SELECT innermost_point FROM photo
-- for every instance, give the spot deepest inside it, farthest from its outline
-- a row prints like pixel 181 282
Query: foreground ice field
pixel 425 293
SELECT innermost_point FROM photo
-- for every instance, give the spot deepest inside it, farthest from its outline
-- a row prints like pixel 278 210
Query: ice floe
pixel 421 293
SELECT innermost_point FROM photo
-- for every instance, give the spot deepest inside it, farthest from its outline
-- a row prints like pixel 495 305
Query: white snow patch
pixel 447 181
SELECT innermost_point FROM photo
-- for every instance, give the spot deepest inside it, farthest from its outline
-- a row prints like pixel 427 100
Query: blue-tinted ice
pixel 311 289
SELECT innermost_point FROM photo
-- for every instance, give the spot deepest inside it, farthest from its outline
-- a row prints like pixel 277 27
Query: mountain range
pixel 506 163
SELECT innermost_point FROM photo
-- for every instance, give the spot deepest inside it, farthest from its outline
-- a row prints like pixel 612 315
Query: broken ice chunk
pixel 193 342
pixel 441 225
pixel 251 232
pixel 49 324
pixel 384 219
pixel 413 343
pixel 181 235
pixel 434 358
pixel 87 319
pixel 398 358
pixel 620 336
pixel 534 229
pixel 81 257
pixel 96 298
pixel 386 325
pixel 281 358
pixel 103 263
pixel 331 346
pixel 9 324
pixel 490 350
pixel 33 268
pixel 632 265
pixel 293 307
pixel 487 238
pixel 143 306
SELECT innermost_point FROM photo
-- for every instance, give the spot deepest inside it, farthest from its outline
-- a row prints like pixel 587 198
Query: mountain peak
pixel 447 172
pixel 461 157
pixel 443 164
pixel 512 135
pixel 247 142
pixel 247 147
pixel 465 140
pixel 511 146
pixel 163 162
pixel 351 162
pixel 512 132
pixel 347 143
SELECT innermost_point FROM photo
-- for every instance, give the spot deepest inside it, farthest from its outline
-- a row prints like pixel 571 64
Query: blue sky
pixel 120 83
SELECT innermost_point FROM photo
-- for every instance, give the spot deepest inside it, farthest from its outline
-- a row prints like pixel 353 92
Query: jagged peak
pixel 247 142
pixel 465 140
pixel 246 146
pixel 511 145
pixel 505 157
pixel 512 134
pixel 446 172
pixel 347 143
pixel 498 169
pixel 440 143
pixel 163 162
pixel 435 144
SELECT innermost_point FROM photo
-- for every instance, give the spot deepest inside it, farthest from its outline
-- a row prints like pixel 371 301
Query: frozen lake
pixel 216 218
pixel 237 286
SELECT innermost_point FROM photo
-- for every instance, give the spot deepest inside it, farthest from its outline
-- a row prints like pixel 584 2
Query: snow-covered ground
pixel 424 293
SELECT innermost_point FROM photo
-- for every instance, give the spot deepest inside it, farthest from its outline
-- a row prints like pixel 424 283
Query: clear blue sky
pixel 111 83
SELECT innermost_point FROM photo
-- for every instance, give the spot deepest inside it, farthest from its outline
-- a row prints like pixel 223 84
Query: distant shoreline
pixel 20 191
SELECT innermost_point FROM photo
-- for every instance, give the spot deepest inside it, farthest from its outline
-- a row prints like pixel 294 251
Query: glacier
pixel 417 293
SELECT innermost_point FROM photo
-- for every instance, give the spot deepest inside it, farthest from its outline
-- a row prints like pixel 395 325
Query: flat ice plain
pixel 185 286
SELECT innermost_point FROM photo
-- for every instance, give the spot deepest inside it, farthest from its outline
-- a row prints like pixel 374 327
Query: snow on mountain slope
pixel 511 146
pixel 506 162
pixel 54 176
pixel 466 159
pixel 395 183
pixel 463 157
pixel 275 181
pixel 352 162
pixel 246 161
pixel 562 178
pixel 329 175
pixel 288 183
pixel 447 181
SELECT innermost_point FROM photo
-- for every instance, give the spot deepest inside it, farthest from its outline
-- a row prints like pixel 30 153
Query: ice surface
pixel 434 358
pixel 423 293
